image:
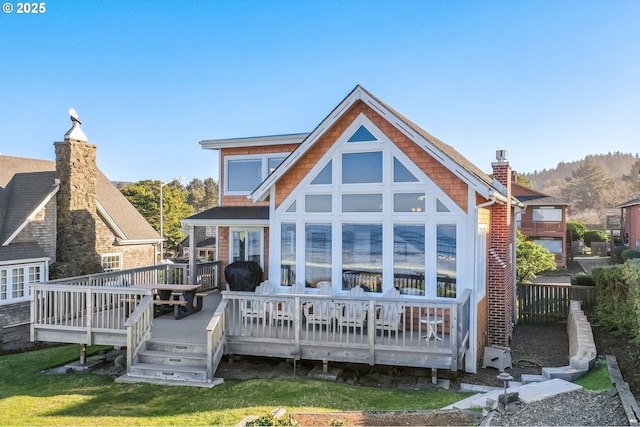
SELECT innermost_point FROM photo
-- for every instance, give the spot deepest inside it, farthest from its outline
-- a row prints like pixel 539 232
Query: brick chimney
pixel 76 200
pixel 501 286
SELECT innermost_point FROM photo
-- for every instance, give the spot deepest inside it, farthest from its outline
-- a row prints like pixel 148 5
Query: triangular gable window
pixel 362 135
pixel 324 177
pixel 401 173
pixel 292 208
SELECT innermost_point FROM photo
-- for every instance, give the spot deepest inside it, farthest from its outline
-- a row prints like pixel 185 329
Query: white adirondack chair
pixel 390 313
pixel 352 314
pixel 285 310
pixel 320 312
pixel 258 309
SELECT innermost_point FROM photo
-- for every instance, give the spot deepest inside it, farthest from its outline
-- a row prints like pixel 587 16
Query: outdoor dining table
pixel 181 308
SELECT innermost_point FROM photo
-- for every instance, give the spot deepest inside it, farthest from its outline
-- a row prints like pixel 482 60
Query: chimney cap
pixel 75 132
pixel 502 155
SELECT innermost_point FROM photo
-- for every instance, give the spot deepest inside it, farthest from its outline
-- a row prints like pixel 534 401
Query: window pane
pixel 3 285
pixel 17 279
pixel 362 167
pixel 244 175
pixel 253 249
pixel 239 245
pixel 317 253
pixel 361 135
pixel 324 177
pixel 408 259
pixel 362 256
pixel 440 207
pixel 317 202
pixel 273 163
pixel 292 208
pixel 288 254
pixel 553 245
pixel 408 202
pixel 547 214
pixel 362 203
pixel 446 260
pixel 401 173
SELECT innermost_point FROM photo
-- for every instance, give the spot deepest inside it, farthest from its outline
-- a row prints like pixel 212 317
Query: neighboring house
pixel 205 244
pixel 369 194
pixel 543 220
pixel 62 218
pixel 630 216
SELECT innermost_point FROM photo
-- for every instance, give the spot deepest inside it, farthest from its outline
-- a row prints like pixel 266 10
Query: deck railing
pixel 81 311
pixel 216 336
pixel 208 274
pixel 138 327
pixel 353 329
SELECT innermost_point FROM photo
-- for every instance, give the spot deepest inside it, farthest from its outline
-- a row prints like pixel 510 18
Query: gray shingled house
pixel 59 219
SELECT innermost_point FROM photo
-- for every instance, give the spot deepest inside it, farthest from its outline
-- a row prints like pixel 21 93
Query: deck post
pixel 89 309
pixel 371 332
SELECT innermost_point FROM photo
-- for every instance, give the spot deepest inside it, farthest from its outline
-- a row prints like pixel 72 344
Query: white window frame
pixel 6 276
pixel 265 169
pixel 117 255
pixel 247 229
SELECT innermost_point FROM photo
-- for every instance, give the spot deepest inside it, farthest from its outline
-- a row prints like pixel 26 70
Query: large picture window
pixel 408 259
pixel 317 253
pixel 362 256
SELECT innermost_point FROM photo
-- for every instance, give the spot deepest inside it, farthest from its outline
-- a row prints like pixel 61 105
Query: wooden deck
pixel 123 316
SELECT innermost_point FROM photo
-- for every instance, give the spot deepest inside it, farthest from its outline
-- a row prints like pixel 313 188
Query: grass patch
pixel 28 397
pixel 597 379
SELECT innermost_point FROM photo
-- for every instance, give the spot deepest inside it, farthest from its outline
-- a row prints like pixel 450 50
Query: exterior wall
pixel 42 230
pixel 17 313
pixel 238 151
pixel 482 307
pixel 632 225
pixel 445 179
pixel 133 256
pixel 500 284
pixel 482 328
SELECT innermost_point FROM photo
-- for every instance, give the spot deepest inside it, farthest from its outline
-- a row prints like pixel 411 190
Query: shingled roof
pixel 26 183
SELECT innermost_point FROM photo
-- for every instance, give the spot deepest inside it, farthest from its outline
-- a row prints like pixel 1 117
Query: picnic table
pixel 169 298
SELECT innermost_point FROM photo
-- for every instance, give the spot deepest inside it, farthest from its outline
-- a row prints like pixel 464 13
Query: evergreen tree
pixel 586 186
pixel 211 193
pixel 197 195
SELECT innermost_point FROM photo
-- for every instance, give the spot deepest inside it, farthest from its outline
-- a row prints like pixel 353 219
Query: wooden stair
pixel 170 363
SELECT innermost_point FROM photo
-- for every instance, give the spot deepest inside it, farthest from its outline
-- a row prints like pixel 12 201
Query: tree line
pixel 179 202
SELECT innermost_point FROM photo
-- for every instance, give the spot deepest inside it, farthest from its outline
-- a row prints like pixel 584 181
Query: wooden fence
pixel 549 302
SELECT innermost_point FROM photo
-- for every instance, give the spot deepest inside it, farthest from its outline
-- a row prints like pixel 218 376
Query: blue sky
pixel 548 81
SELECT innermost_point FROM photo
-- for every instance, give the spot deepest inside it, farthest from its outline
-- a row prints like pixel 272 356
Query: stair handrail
pixel 216 338
pixel 138 327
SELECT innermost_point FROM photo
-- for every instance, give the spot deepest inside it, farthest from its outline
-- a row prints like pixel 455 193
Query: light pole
pixel 162 184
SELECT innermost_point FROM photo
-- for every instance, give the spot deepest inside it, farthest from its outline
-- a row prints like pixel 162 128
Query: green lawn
pixel 28 397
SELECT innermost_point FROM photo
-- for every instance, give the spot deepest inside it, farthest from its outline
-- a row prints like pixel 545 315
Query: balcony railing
pixel 542 228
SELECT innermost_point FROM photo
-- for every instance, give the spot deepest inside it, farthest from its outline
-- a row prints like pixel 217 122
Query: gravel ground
pixel 578 408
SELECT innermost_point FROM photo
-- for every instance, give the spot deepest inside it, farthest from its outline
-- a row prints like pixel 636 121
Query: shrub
pixel 629 254
pixel 618 297
pixel 582 279
pixel 616 256
pixel 594 236
pixel 575 230
pixel 271 420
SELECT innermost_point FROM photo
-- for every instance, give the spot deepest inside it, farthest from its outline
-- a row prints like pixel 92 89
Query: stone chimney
pixel 77 208
pixel 501 262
